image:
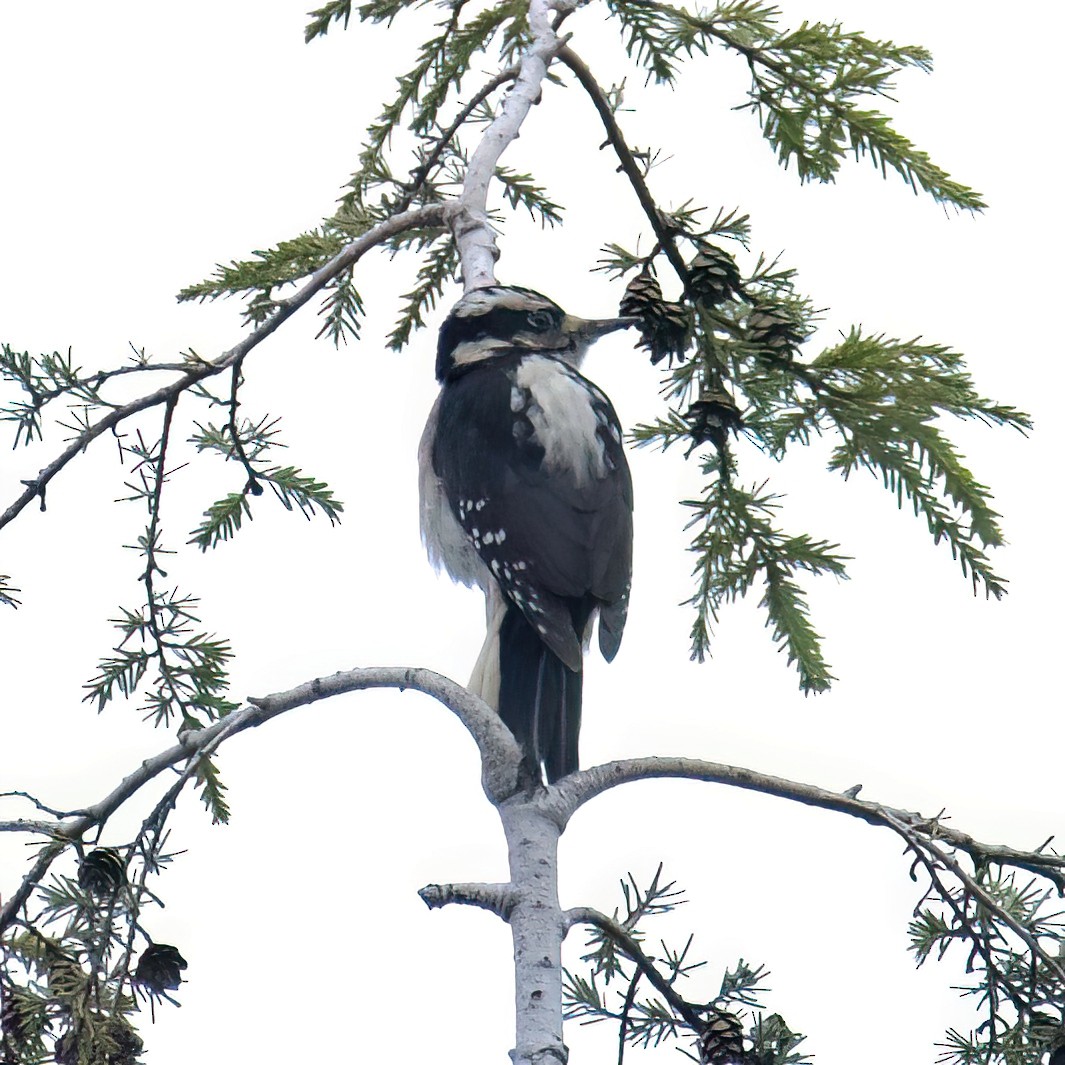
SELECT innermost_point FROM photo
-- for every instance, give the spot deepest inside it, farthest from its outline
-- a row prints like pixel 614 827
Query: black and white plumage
pixel 525 492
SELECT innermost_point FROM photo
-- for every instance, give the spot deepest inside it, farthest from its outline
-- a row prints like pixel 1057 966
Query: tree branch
pixel 498 898
pixel 420 173
pixel 434 215
pixel 500 754
pixel 615 932
pixel 42 828
pixel 36 802
pixel 572 792
pixel 919 841
pixel 469 216
pixel 628 161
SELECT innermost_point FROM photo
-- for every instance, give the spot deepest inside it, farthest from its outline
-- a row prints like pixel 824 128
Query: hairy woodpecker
pixel 526 492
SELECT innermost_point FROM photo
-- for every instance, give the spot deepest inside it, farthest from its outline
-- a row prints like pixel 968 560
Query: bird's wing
pixel 547 506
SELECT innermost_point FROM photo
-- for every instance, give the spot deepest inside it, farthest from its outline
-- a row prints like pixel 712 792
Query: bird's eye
pixel 540 321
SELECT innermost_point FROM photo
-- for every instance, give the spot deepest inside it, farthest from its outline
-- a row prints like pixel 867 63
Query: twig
pixel 627 160
pixel 36 802
pixel 150 550
pixel 626 1008
pixel 253 484
pixel 420 173
pixel 95 381
pixel 622 939
pixel 919 843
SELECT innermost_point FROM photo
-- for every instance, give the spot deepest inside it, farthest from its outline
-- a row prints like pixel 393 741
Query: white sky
pixel 142 144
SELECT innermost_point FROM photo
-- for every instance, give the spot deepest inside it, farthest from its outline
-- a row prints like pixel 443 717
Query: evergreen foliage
pixel 737 373
pixel 731 1028
pixel 71 989
pixel 1019 996
pixel 810 90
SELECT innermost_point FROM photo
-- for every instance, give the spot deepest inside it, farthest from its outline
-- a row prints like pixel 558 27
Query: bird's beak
pixel 589 329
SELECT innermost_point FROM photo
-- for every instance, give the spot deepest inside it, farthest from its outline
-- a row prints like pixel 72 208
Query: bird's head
pixel 504 319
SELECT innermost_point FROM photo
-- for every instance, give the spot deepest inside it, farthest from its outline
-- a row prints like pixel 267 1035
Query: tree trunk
pixel 536 924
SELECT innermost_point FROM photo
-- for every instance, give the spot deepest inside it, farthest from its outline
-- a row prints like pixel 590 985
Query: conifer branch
pixel 805 85
pixel 663 234
pixel 198 369
pixel 722 1037
pixel 923 843
pixel 237 444
pixel 627 943
pixel 152 547
pixel 420 174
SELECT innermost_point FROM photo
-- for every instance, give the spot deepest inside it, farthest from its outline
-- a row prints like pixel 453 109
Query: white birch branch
pixel 500 754
pixel 474 234
pixel 496 898
pixel 573 791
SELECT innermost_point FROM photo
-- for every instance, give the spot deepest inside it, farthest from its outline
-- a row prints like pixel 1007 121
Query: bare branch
pixel 498 898
pixel 252 484
pixel 36 802
pixel 42 828
pixel 572 792
pixel 500 755
pixel 420 173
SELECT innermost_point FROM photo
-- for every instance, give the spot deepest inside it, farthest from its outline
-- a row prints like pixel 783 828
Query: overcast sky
pixel 143 144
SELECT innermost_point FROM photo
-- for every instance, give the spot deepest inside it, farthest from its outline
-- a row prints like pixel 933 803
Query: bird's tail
pixel 539 697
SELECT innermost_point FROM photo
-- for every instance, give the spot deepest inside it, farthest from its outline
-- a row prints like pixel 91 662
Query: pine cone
pixel 66 1049
pixel 773 328
pixel 126 1043
pixel 102 871
pixel 663 325
pixel 642 293
pixel 714 274
pixel 712 417
pixel 160 968
pixel 721 1041
pixel 111 1040
pixel 21 1016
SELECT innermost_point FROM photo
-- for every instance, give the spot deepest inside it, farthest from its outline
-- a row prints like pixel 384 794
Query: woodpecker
pixel 526 493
